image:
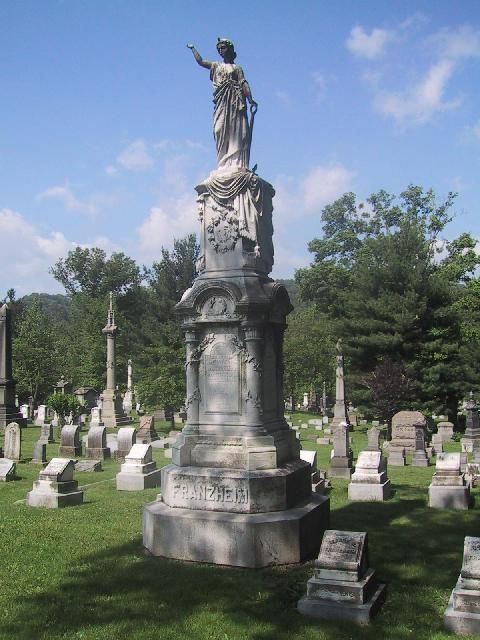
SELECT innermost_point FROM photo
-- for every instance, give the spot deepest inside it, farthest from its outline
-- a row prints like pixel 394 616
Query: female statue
pixel 231 129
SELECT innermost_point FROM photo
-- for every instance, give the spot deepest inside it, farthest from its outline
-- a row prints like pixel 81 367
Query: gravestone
pixel 437 443
pixel 370 482
pixel 462 615
pixel 97 443
pixel 419 455
pixel 447 489
pixel 445 430
pixel 343 586
pixel 146 432
pixel 9 411
pixel 404 424
pixel 96 417
pixel 318 483
pixel 86 466
pixel 341 461
pixel 39 452
pixel 7 470
pixel 46 433
pixel 70 444
pixel 396 456
pixel 471 439
pixel 127 437
pixel 55 486
pixel 139 471
pixel 340 410
pixel 12 443
pixel 41 415
pixel 373 438
pixel 25 411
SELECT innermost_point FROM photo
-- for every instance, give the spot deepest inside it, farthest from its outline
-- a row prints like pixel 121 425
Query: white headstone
pixel 139 453
pixel 12 441
pixel 58 470
pixel 7 470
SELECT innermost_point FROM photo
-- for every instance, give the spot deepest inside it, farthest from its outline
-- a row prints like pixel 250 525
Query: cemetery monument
pixel 462 615
pixel 236 492
pixel 55 486
pixel 448 489
pixel 9 411
pixel 340 411
pixel 112 409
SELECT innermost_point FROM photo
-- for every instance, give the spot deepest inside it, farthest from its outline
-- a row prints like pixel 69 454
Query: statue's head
pixel 226 49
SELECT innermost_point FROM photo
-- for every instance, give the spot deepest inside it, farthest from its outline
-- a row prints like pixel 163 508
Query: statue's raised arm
pixel 231 129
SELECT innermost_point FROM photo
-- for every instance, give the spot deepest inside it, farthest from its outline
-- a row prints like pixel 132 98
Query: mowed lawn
pixel 81 572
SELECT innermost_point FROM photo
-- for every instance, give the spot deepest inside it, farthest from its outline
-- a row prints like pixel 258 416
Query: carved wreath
pixel 222 231
pixel 247 357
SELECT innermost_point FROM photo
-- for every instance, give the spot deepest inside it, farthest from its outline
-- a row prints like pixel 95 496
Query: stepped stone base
pixel 54 495
pixel 237 539
pixel 448 497
pixel 461 622
pixel 331 610
pixel 361 491
pixel 138 481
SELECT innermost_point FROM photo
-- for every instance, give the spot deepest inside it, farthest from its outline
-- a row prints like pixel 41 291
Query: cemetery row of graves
pixel 89 558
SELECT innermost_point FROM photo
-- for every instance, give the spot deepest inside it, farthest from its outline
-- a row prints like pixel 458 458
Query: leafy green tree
pixel 379 278
pixel 162 381
pixel 64 404
pixel 36 358
pixel 308 353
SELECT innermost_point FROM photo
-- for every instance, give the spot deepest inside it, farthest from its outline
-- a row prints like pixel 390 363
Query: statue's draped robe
pixel 230 124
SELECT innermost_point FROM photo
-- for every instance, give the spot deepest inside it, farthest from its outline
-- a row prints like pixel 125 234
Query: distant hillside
pixel 55 306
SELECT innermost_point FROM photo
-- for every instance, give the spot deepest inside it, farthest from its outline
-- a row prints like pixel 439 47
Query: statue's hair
pixel 229 44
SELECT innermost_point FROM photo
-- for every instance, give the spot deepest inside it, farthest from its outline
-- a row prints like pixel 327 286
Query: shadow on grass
pixel 121 592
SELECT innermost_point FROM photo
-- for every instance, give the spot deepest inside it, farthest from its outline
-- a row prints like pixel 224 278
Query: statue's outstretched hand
pixel 190 46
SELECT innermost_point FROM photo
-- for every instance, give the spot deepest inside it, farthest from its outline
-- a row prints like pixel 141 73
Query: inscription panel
pixel 206 494
pixel 343 550
pixel 471 558
pixel 221 379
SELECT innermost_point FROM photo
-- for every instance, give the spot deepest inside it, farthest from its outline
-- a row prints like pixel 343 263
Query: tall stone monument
pixel 113 414
pixel 237 492
pixel 9 411
pixel 340 412
pixel 129 397
pixel 471 440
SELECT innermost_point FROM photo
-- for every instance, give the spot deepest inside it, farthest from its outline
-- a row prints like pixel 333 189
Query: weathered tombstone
pixel 404 425
pixel 318 483
pixel 340 410
pixel 146 432
pixel 12 441
pixel 447 489
pixel 471 439
pixel 462 615
pixel 41 415
pixel 139 471
pixel 396 456
pixel 86 466
pixel 25 411
pixel 97 443
pixel 70 444
pixel 46 433
pixel 343 586
pixel 55 486
pixel 419 455
pixel 437 443
pixel 96 417
pixel 370 482
pixel 445 430
pixel 9 411
pixel 373 438
pixel 7 470
pixel 341 461
pixel 127 437
pixel 39 452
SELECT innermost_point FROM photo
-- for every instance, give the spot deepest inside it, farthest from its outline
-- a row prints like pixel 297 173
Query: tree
pixel 36 358
pixel 64 404
pixel 377 275
pixel 390 387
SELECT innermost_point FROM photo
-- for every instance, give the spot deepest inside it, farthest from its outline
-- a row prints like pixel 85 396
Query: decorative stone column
pixel 191 369
pixel 129 397
pixel 253 363
pixel 340 412
pixel 9 411
pixel 113 414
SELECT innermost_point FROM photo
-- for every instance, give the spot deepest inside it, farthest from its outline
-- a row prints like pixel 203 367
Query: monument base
pixel 237 539
pixel 70 452
pixel 463 623
pixel 100 453
pixel 54 495
pixel 363 492
pixel 340 610
pixel 138 481
pixel 448 497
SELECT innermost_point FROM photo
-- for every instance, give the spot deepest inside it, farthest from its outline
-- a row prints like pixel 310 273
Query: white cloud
pixel 27 255
pixel 323 184
pixel 172 219
pixel 363 45
pixel 71 202
pixel 419 103
pixel 135 157
pixel 283 97
pixel 427 95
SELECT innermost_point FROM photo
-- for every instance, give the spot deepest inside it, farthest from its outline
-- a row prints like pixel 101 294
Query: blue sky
pixel 105 118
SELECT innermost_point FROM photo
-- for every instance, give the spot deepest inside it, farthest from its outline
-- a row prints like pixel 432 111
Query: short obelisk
pixel 9 411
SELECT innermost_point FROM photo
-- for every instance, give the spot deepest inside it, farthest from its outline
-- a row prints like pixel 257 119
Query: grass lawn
pixel 81 572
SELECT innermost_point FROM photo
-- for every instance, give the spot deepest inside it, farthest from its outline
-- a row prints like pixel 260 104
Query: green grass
pixel 82 572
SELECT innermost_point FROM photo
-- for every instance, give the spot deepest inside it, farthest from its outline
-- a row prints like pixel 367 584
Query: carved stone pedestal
pixel 236 492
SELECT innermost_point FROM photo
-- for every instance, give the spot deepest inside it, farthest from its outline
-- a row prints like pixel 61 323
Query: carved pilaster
pixel 253 361
pixel 192 365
